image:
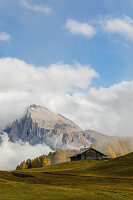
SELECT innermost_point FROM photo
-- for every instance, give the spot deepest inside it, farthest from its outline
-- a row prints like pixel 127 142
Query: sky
pixel 72 56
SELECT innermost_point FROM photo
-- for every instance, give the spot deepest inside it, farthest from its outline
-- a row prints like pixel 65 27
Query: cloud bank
pixel 12 154
pixel 65 89
pixel 78 28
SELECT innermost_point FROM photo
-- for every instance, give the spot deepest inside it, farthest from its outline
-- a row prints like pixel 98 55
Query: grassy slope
pixel 84 180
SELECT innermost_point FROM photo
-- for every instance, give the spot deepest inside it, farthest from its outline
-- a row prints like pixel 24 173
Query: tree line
pixel 44 160
pixel 41 161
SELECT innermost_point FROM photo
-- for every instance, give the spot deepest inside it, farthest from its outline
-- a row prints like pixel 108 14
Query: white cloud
pixel 77 28
pixel 37 8
pixel 22 84
pixel 123 26
pixel 65 89
pixel 108 110
pixel 61 77
pixel 4 36
pixel 12 154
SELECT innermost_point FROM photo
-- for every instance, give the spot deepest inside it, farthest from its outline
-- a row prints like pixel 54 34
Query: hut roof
pixel 86 149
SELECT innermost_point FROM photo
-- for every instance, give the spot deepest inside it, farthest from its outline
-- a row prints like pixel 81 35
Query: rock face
pixel 40 125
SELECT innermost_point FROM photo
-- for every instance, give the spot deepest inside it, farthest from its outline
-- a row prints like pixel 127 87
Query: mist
pixel 12 154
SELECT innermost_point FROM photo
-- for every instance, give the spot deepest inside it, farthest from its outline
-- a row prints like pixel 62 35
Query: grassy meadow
pixel 80 180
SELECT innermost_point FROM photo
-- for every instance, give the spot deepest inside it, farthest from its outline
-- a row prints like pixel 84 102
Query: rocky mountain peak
pixel 46 118
pixel 40 125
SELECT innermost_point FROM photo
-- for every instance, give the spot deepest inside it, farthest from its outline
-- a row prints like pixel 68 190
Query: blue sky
pixel 58 34
pixel 42 39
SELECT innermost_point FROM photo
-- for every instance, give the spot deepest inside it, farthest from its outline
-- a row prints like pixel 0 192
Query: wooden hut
pixel 89 154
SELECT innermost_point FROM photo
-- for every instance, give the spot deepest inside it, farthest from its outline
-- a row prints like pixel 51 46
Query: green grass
pixel 81 180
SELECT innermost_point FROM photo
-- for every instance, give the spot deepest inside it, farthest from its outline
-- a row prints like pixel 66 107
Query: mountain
pixel 41 125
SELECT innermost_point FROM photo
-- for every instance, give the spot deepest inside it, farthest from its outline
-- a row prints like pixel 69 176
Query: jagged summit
pixel 46 118
pixel 40 125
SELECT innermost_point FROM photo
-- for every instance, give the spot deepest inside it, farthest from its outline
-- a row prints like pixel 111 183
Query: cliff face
pixel 40 125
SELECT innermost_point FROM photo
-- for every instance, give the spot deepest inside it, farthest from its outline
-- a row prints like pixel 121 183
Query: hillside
pixel 121 166
pixel 93 180
pixel 115 147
